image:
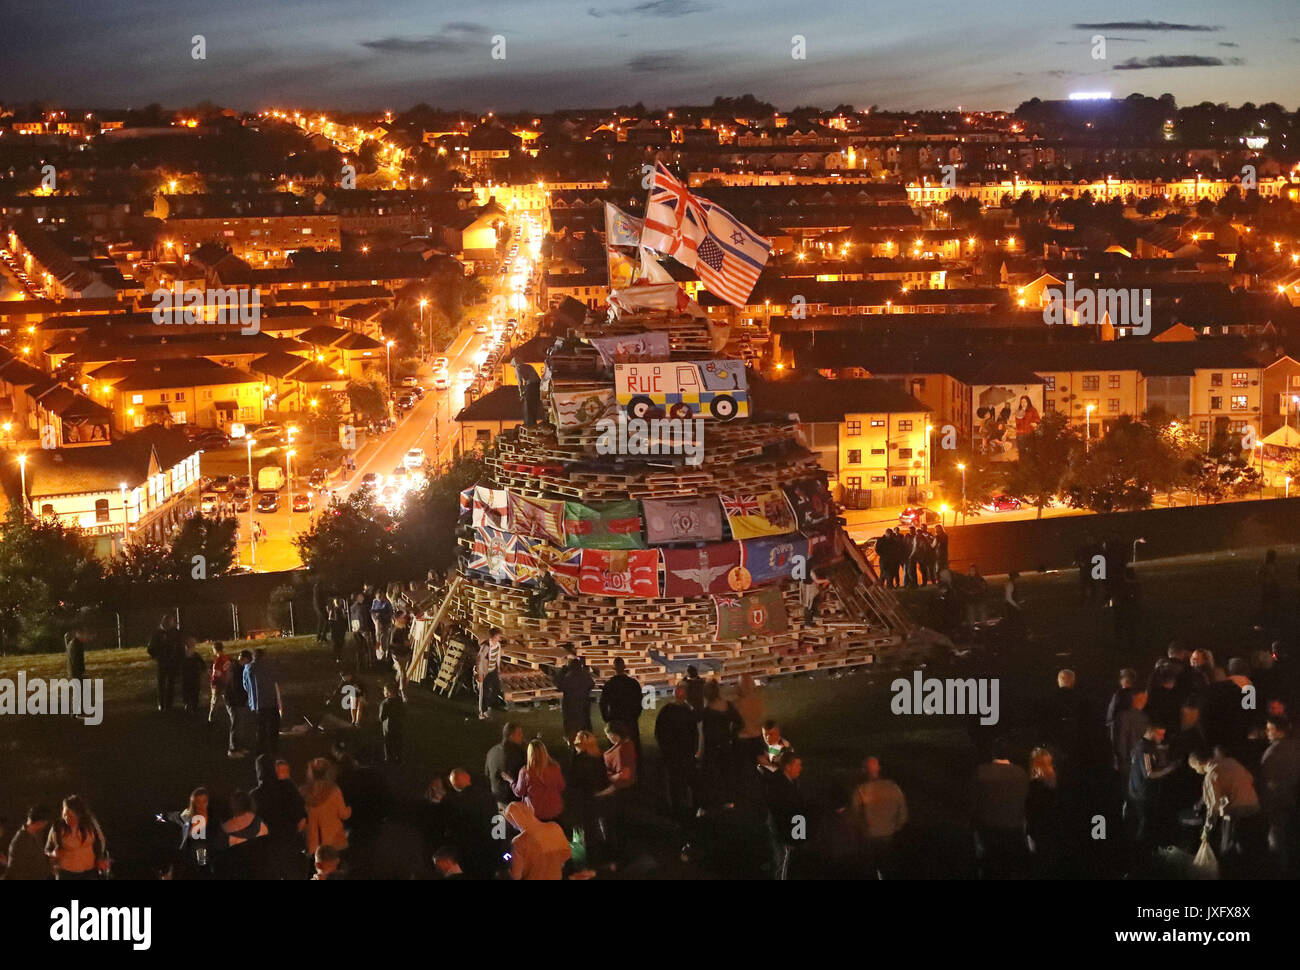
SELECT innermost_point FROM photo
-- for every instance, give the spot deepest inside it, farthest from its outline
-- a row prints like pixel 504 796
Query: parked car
pixel 410 380
pixel 317 478
pixel 222 483
pixel 242 500
pixel 406 402
pixel 467 373
pixel 371 479
pixel 480 327
pixel 270 478
pixel 1002 503
pixel 244 482
pixel 208 503
pixel 440 382
pixel 268 501
pixel 268 431
pixel 917 515
pixel 302 503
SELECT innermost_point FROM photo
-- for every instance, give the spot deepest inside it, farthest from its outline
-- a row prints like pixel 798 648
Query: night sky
pixel 394 53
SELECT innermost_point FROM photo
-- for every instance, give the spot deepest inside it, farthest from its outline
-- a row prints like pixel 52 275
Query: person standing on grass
pixel 218 677
pixel 278 802
pixel 576 685
pixel 236 698
pixel 677 734
pixel 392 715
pixel 620 700
pixel 326 808
pixel 487 670
pixel 399 648
pixel 362 632
pixel 503 763
pixel 338 628
pixel 168 652
pixel 192 668
pixel 27 858
pixel 877 811
pixel 76 843
pixel 75 643
pixel 381 613
pixel 540 783
pixel 264 701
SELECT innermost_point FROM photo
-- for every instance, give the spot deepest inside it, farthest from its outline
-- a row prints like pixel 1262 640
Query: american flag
pixel 730 257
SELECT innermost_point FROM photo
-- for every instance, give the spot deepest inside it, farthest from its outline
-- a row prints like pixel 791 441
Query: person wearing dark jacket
pixel 469 814
pixel 279 804
pixel 193 668
pixel 75 643
pixel 320 602
pixel 503 763
pixel 27 858
pixel 677 734
pixel 392 716
pixel 168 652
pixel 786 815
pixel 620 700
pixel 337 618
pixel 575 684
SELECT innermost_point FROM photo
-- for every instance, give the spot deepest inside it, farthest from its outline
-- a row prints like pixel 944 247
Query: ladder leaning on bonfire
pixel 859 587
pixel 428 635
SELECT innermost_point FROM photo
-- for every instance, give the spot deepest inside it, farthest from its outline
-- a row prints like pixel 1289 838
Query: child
pixel 192 668
pixel 391 714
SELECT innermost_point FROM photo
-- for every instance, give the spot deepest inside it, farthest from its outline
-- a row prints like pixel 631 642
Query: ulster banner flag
pixel 751 615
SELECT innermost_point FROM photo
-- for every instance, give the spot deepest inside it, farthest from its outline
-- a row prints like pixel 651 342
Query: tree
pixel 426 536
pixel 350 544
pixel 201 548
pixel 367 400
pixel 1121 471
pixel 48 574
pixel 982 478
pixel 1044 461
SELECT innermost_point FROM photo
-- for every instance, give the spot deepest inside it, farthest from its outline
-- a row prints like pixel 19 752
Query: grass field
pixel 139 761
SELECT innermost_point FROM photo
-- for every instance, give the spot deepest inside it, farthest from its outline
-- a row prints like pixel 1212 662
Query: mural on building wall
pixel 1004 413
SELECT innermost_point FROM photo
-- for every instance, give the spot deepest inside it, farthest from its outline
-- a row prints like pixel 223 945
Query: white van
pixel 270 478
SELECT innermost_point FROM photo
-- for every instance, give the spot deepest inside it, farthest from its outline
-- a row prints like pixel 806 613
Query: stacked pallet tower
pixel 661 561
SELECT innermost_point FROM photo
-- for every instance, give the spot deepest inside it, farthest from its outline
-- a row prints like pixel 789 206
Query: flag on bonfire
pixel 620 572
pixel 751 615
pixel 755 514
pixel 726 254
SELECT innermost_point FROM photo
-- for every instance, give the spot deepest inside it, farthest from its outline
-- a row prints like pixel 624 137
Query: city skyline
pixel 572 55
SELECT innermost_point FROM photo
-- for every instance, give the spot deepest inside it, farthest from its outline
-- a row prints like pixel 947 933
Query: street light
pixel 1087 428
pixel 388 345
pixel 288 473
pixel 1288 487
pixel 1136 543
pixel 429 335
pixel 252 536
pixel 22 470
pixel 961 467
pixel 122 486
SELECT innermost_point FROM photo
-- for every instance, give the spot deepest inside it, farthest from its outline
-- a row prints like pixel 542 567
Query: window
pixel 897 481
pixel 877 451
pixel 1240 379
pixel 855 456
pixel 137 398
pixel 47 510
pixel 853 482
pixel 1091 382
pixel 1112 381
pixel 164 397
pixel 1239 402
pixel 101 510
pixel 1205 428
pixel 1112 405
pixel 905 425
pixel 877 422
pixel 1049 404
pixel 1049 382
pixel 180 397
pixel 854 428
pixel 1216 403
pixel 904 452
pixel 1216 380
pixel 877 479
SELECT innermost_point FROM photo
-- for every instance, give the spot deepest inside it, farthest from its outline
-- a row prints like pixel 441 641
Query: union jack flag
pixel 741 504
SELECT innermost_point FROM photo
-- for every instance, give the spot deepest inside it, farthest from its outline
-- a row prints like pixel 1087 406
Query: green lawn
pixel 138 761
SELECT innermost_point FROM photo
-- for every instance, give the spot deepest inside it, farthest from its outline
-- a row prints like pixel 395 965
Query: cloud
pixel 654 63
pixel 455 37
pixel 653 8
pixel 1227 43
pixel 1175 60
pixel 1144 25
